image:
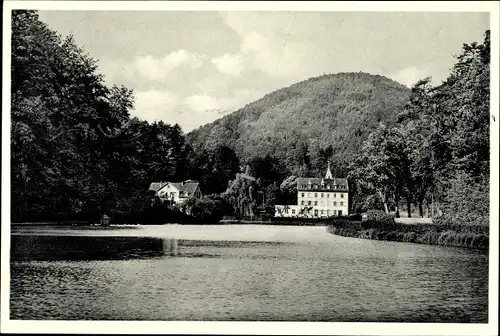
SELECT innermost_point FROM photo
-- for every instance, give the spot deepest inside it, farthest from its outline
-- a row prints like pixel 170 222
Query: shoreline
pixel 419 235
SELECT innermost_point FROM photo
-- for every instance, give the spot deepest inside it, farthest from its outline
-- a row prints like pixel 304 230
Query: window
pixel 302 195
pixel 309 195
pixel 341 195
pixel 334 212
pixel 301 202
pixel 334 195
pixel 308 202
pixel 322 195
pixel 341 203
pixel 315 195
pixel 286 210
pixel 328 187
pixel 322 212
pixel 334 203
pixel 315 202
pixel 293 211
pixel 327 212
pixel 328 195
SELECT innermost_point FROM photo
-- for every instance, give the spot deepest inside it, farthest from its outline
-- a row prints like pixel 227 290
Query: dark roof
pixel 315 183
pixel 186 188
pixel 155 186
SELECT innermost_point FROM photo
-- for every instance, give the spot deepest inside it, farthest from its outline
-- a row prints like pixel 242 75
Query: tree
pixel 206 210
pixel 447 129
pixel 416 125
pixel 61 79
pixel 370 169
pixel 288 190
pixel 383 167
pixel 241 194
pixel 214 169
pixel 76 153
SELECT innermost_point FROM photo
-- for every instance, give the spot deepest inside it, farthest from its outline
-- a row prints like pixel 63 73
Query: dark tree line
pixel 437 154
pixel 76 152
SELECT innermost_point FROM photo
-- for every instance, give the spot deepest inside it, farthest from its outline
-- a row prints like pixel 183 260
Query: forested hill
pixel 308 123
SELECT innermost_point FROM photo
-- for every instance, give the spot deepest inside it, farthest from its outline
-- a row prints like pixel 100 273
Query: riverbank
pixel 474 237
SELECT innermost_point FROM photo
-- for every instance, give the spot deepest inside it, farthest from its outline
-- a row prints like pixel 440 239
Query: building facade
pixel 318 197
pixel 175 192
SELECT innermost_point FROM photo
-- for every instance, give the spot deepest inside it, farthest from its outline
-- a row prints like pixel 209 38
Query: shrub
pixel 206 210
pixel 377 219
pixel 354 218
pixel 379 215
pixel 467 201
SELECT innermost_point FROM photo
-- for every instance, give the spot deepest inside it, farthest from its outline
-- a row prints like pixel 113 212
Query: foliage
pixel 308 123
pixel 467 202
pixel 214 169
pixel 378 215
pixel 206 210
pixel 382 166
pixel 75 151
pixel 268 172
pixel 454 235
pixel 241 194
pixel 438 151
pixel 288 190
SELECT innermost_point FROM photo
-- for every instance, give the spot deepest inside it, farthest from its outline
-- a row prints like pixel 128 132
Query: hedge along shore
pixel 474 237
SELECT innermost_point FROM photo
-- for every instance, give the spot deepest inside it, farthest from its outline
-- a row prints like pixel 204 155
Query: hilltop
pixel 310 122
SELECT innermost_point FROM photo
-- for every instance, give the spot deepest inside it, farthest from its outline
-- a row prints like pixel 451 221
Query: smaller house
pixel 175 192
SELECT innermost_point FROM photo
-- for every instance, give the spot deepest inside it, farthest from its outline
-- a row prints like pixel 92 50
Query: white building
pixel 175 192
pixel 318 197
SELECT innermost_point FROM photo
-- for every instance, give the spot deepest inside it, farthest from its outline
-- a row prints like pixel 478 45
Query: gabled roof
pixel 155 186
pixel 186 189
pixel 315 183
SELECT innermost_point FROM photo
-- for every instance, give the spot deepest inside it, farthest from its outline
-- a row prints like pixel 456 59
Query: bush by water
pixel 379 227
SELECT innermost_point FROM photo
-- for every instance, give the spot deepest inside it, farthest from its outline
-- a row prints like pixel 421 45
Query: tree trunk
pixel 408 206
pixel 397 199
pixel 386 208
pixel 421 208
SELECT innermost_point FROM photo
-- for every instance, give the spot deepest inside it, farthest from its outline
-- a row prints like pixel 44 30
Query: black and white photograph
pixel 201 162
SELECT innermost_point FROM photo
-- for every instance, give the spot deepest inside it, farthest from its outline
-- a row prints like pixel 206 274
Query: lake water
pixel 254 273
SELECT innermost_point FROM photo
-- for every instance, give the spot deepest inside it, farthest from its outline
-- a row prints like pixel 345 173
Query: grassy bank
pixel 468 236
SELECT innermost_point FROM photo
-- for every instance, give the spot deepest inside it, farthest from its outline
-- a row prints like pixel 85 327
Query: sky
pixel 192 67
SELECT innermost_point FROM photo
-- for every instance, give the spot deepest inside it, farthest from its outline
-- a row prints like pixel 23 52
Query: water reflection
pixel 45 247
pixel 55 247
